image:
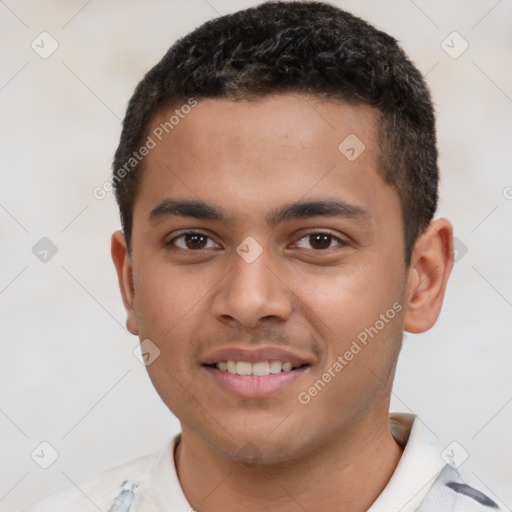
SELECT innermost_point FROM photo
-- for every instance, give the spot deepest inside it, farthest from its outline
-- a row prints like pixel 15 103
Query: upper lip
pixel 254 355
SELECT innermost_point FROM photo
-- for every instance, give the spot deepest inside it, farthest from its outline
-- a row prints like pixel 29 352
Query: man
pixel 277 182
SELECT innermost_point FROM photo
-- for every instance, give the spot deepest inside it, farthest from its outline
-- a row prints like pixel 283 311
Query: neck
pixel 347 473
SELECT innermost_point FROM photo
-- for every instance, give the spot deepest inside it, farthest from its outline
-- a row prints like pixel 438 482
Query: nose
pixel 252 292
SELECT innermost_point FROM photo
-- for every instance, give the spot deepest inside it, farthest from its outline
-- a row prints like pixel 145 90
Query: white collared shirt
pixel 422 482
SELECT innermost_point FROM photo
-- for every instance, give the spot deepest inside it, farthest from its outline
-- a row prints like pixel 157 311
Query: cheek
pixel 359 314
pixel 166 297
pixel 168 301
pixel 351 298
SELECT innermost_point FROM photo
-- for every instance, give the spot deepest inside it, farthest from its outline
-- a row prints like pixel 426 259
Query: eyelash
pixel 341 243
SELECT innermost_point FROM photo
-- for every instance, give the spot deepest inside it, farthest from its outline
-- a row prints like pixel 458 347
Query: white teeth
pixel 275 366
pixel 259 369
pixel 243 368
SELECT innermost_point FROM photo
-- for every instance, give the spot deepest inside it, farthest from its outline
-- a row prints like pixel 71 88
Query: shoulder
pixel 101 491
pixel 450 492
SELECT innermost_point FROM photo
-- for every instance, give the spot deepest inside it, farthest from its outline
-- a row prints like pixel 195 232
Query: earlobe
pixel 123 264
pixel 431 264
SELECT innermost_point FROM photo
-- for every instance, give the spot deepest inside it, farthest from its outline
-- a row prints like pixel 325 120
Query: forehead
pixel 286 122
pixel 253 155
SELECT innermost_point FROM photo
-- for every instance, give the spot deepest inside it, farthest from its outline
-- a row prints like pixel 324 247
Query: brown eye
pixel 196 241
pixel 318 241
pixel 192 241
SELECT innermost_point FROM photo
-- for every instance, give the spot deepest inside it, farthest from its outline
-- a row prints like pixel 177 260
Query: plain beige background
pixel 69 376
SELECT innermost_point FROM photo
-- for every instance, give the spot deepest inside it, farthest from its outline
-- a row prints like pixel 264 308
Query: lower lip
pixel 254 387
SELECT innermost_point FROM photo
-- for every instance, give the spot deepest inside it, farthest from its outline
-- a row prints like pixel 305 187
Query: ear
pixel 123 264
pixel 431 264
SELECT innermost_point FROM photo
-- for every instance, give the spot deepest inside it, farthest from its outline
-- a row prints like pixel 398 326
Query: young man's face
pixel 213 297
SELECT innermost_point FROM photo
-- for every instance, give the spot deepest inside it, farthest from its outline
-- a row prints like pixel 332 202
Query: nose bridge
pixel 251 291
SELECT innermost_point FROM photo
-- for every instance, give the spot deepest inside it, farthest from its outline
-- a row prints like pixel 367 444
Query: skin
pixel 250 157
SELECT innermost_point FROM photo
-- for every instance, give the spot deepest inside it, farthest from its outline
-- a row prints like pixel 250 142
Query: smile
pixel 259 369
pixel 254 380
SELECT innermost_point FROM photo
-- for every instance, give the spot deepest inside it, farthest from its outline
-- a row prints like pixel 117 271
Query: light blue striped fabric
pixel 450 493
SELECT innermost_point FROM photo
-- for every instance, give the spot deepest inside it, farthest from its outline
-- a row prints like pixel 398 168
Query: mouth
pixel 255 373
pixel 258 369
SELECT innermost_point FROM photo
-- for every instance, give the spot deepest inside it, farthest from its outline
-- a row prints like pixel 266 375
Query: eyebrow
pixel 199 209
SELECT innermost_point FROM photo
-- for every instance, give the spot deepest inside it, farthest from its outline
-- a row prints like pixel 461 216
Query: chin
pixel 259 448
